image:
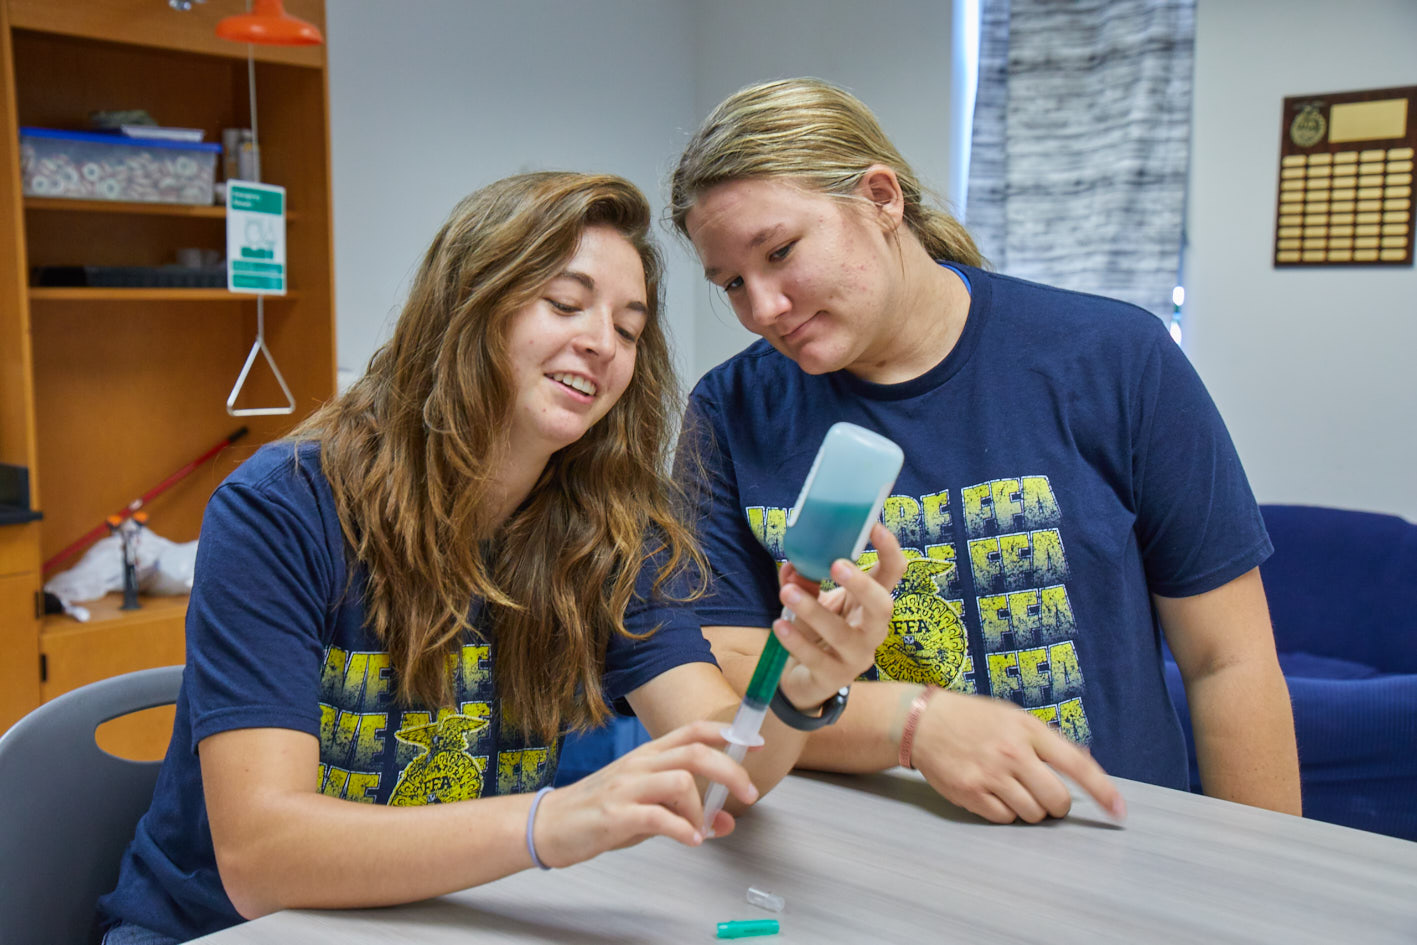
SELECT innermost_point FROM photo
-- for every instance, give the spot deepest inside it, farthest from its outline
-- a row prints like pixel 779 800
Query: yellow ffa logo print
pixel 445 771
pixel 926 643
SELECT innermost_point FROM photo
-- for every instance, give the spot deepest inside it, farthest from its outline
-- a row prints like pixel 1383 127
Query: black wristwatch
pixel 791 715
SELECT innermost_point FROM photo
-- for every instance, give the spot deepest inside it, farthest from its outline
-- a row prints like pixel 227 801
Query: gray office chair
pixel 68 808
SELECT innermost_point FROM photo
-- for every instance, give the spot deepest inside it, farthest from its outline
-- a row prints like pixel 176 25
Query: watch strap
pixel 796 718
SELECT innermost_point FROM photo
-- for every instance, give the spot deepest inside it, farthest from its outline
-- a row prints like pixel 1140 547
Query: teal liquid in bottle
pixel 823 532
pixel 841 498
pixel 854 469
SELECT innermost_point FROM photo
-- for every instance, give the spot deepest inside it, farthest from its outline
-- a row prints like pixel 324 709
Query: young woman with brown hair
pixel 473 549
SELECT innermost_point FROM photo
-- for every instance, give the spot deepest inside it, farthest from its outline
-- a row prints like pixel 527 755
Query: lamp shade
pixel 269 25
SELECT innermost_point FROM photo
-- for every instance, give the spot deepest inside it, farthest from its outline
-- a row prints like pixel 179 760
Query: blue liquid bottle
pixel 840 501
pixel 842 497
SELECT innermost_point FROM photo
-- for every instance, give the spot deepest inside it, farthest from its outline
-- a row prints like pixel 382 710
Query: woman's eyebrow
pixel 765 234
pixel 758 239
pixel 581 277
pixel 584 278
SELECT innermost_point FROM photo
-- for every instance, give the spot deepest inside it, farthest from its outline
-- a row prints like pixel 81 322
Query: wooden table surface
pixel 884 859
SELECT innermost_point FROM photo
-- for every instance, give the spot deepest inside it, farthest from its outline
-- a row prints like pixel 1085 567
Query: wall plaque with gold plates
pixel 1345 179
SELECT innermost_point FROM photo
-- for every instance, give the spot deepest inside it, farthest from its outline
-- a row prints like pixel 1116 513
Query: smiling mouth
pixel 575 382
pixel 799 327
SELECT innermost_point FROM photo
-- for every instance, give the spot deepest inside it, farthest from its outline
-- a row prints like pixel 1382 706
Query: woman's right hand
pixel 998 761
pixel 648 792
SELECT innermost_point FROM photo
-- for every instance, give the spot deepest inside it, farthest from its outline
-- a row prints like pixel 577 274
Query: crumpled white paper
pixel 163 567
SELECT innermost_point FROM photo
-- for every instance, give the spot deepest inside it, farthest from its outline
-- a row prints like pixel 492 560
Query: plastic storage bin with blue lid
pixel 88 166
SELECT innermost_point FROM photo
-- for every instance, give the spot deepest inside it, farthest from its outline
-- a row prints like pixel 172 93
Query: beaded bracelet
pixel 912 719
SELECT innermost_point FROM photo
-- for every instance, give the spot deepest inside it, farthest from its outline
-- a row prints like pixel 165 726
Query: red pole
pixel 102 528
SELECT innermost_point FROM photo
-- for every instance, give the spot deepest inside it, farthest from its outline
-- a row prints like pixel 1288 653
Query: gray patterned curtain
pixel 1082 122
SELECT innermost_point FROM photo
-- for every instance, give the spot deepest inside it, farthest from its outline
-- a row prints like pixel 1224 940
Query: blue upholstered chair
pixel 1342 589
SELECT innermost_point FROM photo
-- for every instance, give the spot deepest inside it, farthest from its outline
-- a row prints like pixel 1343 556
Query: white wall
pixel 895 55
pixel 1313 369
pixel 431 100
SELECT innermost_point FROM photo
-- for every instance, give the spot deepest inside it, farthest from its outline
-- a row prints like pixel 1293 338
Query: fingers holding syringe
pixel 861 602
pixel 835 634
pixel 830 648
pixel 861 598
pixel 618 809
pixel 695 748
pixel 887 570
pixel 787 574
pixel 650 791
pixel 673 772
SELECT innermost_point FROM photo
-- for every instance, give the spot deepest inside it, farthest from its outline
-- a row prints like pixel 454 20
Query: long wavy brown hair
pixel 411 447
pixel 818 135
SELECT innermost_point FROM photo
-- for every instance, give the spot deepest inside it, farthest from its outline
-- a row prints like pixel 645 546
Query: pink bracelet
pixel 531 822
pixel 912 719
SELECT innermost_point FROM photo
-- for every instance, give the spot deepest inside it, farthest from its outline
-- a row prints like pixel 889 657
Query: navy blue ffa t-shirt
pixel 1062 464
pixel 276 639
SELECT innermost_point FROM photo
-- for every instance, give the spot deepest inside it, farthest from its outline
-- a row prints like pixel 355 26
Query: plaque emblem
pixel 1308 127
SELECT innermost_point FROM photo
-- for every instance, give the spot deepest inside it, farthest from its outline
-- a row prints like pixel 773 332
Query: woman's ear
pixel 879 185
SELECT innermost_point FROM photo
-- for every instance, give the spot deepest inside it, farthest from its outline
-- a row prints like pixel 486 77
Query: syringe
pixel 840 501
pixel 743 733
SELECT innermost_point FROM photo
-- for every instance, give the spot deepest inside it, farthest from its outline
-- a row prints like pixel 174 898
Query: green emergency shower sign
pixel 255 238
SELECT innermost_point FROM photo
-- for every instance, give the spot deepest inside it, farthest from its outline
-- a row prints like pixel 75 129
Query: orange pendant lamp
pixel 269 25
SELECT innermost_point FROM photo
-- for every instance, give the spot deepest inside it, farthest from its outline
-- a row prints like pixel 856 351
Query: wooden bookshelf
pixel 105 391
pixel 66 205
pixel 156 294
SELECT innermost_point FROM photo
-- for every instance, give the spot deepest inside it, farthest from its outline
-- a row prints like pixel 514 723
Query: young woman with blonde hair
pixel 1069 492
pixel 473 549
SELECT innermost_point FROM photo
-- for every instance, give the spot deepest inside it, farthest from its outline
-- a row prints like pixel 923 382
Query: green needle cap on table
pixel 747 928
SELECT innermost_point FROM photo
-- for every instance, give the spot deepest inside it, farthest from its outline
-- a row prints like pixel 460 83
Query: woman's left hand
pixel 834 637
